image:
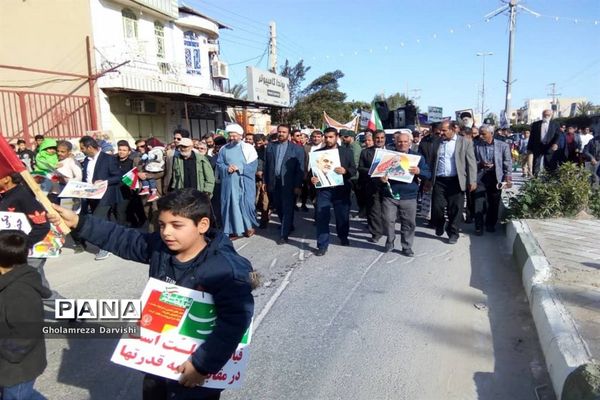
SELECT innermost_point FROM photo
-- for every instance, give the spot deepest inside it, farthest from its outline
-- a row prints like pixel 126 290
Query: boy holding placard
pixel 187 252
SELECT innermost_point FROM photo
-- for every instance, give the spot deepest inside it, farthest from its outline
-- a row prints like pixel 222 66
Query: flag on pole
pixel 330 122
pixel 9 162
pixel 131 179
pixel 374 122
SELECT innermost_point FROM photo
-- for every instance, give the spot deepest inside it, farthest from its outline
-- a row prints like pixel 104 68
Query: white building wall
pixel 535 107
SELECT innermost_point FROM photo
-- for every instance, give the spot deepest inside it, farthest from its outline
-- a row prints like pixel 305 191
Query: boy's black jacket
pixel 21 199
pixel 219 271
pixel 22 357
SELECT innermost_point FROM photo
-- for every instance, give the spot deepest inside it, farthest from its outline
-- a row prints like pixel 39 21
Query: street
pixel 450 323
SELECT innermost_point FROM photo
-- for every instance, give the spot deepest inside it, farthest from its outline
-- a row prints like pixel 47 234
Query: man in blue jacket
pixel 400 197
pixel 283 175
pixel 187 252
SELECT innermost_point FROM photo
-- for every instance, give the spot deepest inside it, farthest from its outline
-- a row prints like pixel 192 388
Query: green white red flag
pixel 374 122
pixel 131 179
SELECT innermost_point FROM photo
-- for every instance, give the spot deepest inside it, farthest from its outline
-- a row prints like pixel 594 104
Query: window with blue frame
pixel 191 42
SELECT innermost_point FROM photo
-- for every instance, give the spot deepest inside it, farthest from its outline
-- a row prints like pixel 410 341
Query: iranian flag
pixel 374 122
pixel 131 180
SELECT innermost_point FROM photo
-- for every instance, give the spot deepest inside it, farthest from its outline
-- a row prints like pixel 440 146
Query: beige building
pixel 157 65
pixel 49 36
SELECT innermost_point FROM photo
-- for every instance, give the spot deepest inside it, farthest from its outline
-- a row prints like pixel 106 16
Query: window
pixel 130 29
pixel 159 34
pixel 192 52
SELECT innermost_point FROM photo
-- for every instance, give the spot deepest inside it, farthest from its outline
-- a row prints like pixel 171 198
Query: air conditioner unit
pixel 220 70
pixel 141 106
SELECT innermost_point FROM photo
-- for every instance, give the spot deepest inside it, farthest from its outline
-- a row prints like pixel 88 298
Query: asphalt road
pixel 451 323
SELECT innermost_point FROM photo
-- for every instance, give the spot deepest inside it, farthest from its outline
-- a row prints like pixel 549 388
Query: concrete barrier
pixel 564 348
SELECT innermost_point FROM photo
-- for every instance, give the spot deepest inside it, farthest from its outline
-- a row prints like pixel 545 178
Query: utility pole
pixel 483 54
pixel 554 94
pixel 512 7
pixel 272 47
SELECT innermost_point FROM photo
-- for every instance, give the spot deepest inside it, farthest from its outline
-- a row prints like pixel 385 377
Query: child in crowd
pixel 22 353
pixel 153 161
pixel 187 252
pixel 45 163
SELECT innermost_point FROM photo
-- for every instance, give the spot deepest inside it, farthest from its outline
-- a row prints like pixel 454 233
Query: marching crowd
pixel 176 194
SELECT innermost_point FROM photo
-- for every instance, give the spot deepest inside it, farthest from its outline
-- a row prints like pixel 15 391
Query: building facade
pixel 562 106
pixel 168 72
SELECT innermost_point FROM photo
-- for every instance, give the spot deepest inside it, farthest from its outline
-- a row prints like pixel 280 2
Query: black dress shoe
pixel 374 239
pixel 321 251
pixel 453 239
pixel 304 208
pixel 479 231
pixel 389 247
pixel 408 253
pixel 282 240
pixel 263 225
pixel 439 231
pixel 344 242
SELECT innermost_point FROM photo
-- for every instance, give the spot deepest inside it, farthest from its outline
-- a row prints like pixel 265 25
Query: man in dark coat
pixel 99 166
pixel 283 175
pixel 337 197
pixel 543 142
pixel 372 188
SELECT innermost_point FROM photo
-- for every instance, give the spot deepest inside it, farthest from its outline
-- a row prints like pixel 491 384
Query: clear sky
pixel 428 47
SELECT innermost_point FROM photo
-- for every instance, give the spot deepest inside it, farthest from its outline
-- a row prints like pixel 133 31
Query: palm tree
pixel 585 108
pixel 238 91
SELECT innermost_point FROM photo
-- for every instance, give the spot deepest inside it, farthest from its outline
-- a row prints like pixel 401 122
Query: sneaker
pixel 321 251
pixel 153 197
pixel 102 255
pixel 144 192
pixel 78 249
pixel 453 239
pixel 389 247
pixel 408 253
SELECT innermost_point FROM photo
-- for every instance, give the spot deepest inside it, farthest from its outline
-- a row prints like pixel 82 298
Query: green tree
pixel 320 95
pixel 238 91
pixel 585 108
pixel 493 117
pixel 394 101
pixel 296 74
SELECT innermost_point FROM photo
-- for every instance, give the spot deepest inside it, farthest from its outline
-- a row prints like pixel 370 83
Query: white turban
pixel 235 128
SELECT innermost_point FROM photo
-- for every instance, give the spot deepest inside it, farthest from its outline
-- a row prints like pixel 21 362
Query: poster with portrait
pixel 323 163
pixel 465 117
pixel 394 165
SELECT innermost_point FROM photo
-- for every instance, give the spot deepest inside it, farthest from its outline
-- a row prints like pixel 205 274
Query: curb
pixel 563 347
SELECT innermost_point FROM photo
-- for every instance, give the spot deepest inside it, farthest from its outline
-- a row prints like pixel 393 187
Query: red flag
pixel 9 162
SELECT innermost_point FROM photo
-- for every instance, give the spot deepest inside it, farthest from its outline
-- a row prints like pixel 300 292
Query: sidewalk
pixel 560 259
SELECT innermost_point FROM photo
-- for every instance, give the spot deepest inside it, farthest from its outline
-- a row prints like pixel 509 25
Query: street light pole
pixel 484 55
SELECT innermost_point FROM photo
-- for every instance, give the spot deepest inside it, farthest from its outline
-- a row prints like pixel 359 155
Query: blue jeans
pixel 339 198
pixel 149 183
pixel 21 391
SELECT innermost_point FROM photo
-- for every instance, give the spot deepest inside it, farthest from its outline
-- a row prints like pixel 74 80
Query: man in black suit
pixel 543 142
pixel 99 166
pixel 283 175
pixel 372 188
pixel 337 197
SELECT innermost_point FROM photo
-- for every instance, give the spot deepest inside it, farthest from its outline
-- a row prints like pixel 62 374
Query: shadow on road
pixel 515 344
